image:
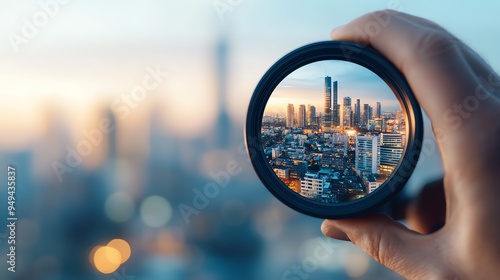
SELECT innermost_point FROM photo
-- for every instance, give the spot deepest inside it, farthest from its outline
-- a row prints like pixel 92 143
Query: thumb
pixel 387 241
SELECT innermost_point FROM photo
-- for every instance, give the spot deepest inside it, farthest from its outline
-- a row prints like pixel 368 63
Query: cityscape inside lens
pixel 333 131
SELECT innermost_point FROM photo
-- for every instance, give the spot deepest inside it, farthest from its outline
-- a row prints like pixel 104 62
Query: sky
pixel 306 86
pixel 90 52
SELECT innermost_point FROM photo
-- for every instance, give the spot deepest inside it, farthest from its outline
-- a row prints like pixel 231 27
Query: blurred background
pixel 124 120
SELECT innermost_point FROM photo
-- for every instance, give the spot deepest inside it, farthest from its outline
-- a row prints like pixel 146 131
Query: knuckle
pixel 436 42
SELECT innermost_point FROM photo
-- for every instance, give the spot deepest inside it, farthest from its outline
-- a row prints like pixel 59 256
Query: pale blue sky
pixel 91 51
pixel 306 86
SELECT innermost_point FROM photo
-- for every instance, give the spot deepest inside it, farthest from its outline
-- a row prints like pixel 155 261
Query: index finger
pixel 430 58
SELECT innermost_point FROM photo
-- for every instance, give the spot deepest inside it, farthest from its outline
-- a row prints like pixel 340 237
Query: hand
pixel 461 95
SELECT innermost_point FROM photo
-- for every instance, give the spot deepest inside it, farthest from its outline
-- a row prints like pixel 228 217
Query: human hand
pixel 461 95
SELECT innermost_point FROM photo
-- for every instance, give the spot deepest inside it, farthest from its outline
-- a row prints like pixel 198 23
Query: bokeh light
pixel 107 259
pixel 92 254
pixel 155 211
pixel 119 207
pixel 123 247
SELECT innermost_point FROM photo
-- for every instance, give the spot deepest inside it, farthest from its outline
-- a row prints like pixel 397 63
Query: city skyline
pixel 341 153
pixel 306 86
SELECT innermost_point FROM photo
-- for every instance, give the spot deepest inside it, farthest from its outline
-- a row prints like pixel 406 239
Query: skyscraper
pixel 367 154
pixel 391 151
pixel 301 118
pixel 366 115
pixel 346 121
pixel 328 102
pixel 289 115
pixel 378 111
pixel 357 114
pixel 336 111
pixel 311 115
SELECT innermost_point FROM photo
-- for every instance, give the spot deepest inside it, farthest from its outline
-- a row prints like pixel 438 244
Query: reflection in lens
pixel 333 138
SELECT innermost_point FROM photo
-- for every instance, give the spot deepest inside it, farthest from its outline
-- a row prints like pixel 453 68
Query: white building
pixel 282 173
pixel 372 186
pixel 312 185
pixel 367 154
pixel 391 139
pixel 276 151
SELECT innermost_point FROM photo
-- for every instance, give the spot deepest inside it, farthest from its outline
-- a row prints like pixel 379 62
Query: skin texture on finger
pixel 444 83
pixel 412 46
pixel 389 243
pixel 445 76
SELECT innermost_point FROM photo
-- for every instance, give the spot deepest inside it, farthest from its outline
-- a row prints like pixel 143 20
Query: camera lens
pixel 333 130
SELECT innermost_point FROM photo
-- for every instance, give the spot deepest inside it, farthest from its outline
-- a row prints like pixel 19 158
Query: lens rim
pixel 344 51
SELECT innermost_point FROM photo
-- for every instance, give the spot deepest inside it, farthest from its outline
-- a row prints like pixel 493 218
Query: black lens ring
pixel 363 56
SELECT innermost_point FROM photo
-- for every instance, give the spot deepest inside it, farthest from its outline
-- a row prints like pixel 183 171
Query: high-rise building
pixel 311 115
pixel 301 118
pixel 378 111
pixel 328 102
pixel 346 120
pixel 389 159
pixel 367 159
pixel 336 105
pixel 289 115
pixel 391 139
pixel 366 115
pixel 357 114
pixel 391 151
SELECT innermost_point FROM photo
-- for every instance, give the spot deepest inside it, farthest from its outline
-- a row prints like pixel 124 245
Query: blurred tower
pixel 112 147
pixel 223 126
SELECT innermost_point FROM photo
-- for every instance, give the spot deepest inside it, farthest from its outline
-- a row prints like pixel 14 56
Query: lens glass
pixel 333 131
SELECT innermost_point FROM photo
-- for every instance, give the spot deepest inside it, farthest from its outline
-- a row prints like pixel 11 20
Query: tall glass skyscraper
pixel 357 113
pixel 328 102
pixel 336 113
pixel 346 121
pixel 378 111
